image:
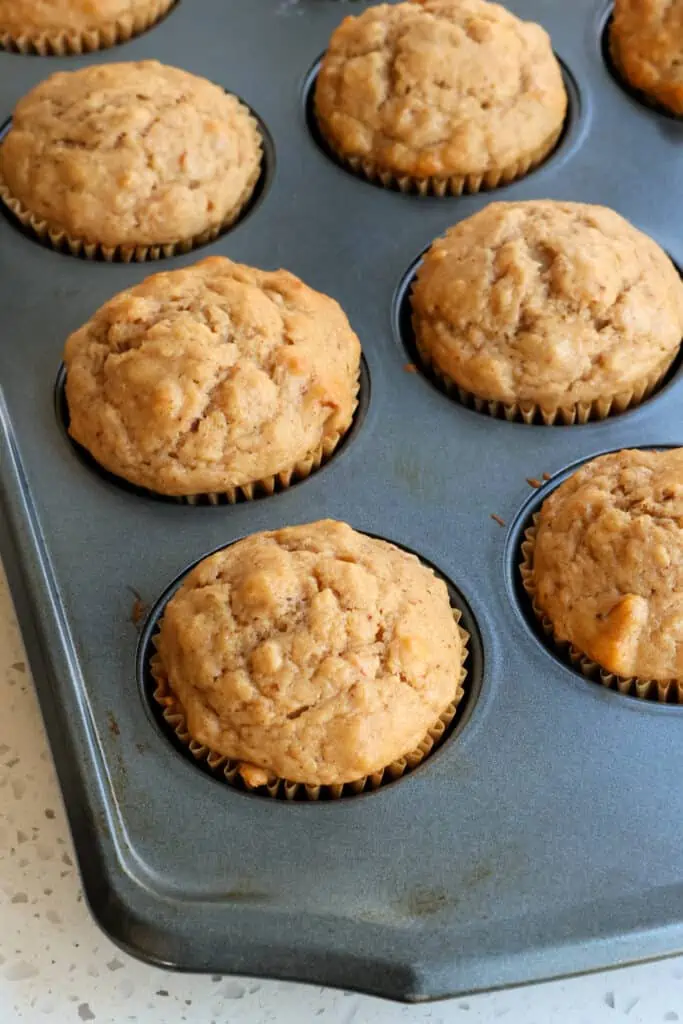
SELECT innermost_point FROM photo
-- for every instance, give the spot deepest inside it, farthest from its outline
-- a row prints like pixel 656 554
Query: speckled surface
pixel 56 965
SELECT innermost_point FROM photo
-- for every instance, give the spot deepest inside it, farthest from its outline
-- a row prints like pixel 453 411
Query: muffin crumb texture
pixel 131 154
pixel 211 377
pixel 646 39
pixel 313 653
pixel 435 88
pixel 608 563
pixel 547 303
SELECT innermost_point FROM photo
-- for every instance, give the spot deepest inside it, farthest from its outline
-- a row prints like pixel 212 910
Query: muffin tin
pixel 542 837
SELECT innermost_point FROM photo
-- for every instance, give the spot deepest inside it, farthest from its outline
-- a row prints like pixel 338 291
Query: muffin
pixel 128 161
pixel 61 27
pixel 604 566
pixel 646 43
pixel 313 656
pixel 216 379
pixel 440 95
pixel 549 311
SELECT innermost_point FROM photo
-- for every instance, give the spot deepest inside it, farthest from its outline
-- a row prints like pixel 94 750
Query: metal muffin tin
pixel 543 837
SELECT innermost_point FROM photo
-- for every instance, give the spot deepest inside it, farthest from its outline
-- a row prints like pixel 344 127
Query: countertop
pixel 55 964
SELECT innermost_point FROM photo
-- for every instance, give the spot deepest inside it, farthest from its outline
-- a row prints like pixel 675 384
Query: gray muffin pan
pixel 543 837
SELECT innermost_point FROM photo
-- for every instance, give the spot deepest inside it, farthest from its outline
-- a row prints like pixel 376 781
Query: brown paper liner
pixel 66 43
pixel 668 691
pixel 62 241
pixel 454 184
pixel 252 778
pixel 568 415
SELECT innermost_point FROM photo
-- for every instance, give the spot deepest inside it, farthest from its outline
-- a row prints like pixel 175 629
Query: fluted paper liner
pixel 443 185
pixel 568 415
pixel 65 43
pixel 254 778
pixel 664 691
pixel 62 241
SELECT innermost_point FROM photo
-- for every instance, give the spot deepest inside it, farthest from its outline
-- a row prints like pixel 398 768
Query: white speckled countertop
pixel 56 965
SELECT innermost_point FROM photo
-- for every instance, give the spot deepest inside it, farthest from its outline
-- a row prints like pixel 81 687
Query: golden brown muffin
pixel 440 95
pixel 607 563
pixel 130 155
pixel 313 654
pixel 646 42
pixel 74 26
pixel 560 307
pixel 213 378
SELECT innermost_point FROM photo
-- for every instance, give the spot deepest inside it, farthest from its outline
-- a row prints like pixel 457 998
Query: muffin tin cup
pixel 257 780
pixel 567 415
pixel 60 240
pixel 448 185
pixel 64 44
pixel 668 691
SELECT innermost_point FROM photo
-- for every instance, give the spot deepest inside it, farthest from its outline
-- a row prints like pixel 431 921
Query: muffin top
pixel 313 653
pixel 608 562
pixel 646 37
pixel 131 154
pixel 211 377
pixel 549 303
pixel 439 88
pixel 20 17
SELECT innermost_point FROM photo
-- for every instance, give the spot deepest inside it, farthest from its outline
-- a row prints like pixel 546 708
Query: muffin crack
pixel 409 86
pixel 212 377
pixel 271 648
pixel 85 154
pixel 547 302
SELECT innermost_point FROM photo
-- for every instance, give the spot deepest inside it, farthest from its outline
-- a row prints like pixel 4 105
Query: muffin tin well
pixel 405 336
pixel 564 653
pixel 57 240
pixel 569 137
pixel 474 667
pixel 500 859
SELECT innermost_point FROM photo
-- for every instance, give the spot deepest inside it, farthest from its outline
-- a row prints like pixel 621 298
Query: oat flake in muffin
pixel 313 654
pixel 213 378
pixel 129 155
pixel 557 307
pixel 440 95
pixel 74 26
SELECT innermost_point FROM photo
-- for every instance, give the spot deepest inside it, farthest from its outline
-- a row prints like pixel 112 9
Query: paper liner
pixel 62 241
pixel 454 184
pixel 530 412
pixel 668 691
pixel 65 43
pixel 252 778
